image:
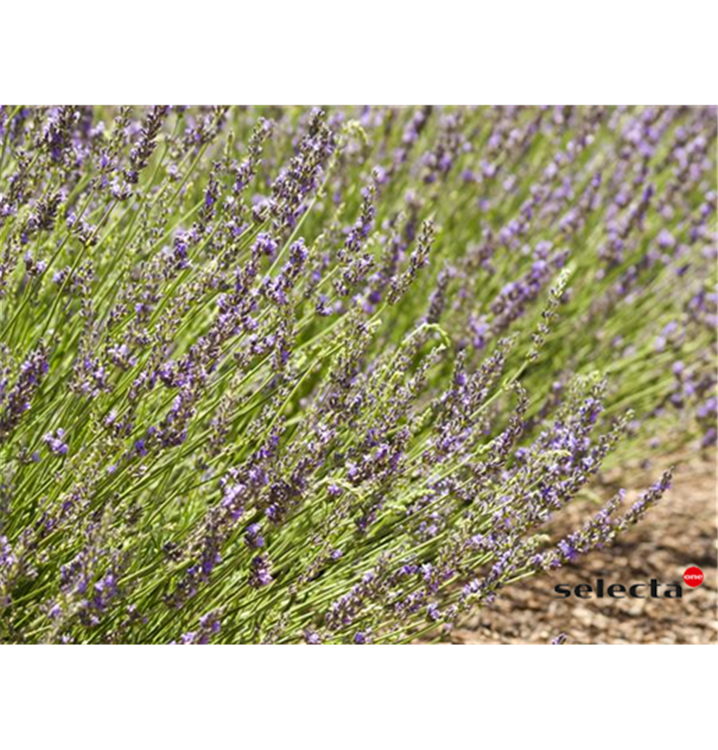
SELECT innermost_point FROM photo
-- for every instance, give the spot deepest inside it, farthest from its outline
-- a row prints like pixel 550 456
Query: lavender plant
pixel 301 375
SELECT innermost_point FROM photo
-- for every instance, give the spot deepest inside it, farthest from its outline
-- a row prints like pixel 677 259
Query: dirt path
pixel 678 533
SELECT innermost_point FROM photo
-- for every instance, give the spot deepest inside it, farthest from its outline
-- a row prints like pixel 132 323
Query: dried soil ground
pixel 679 532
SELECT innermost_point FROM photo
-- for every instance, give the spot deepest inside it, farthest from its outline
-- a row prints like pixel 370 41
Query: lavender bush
pixel 285 374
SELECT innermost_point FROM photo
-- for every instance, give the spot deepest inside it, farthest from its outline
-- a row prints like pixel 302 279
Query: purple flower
pixel 56 442
pixel 253 536
pixel 260 572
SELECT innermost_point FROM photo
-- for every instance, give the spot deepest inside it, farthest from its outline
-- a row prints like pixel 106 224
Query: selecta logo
pixel 692 577
pixel 653 590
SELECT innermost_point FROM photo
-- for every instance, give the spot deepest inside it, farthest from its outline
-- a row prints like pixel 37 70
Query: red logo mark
pixel 693 577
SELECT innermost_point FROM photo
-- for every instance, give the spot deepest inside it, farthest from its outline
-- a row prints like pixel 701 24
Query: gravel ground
pixel 679 532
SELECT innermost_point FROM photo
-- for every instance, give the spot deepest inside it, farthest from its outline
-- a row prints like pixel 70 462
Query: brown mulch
pixel 677 533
